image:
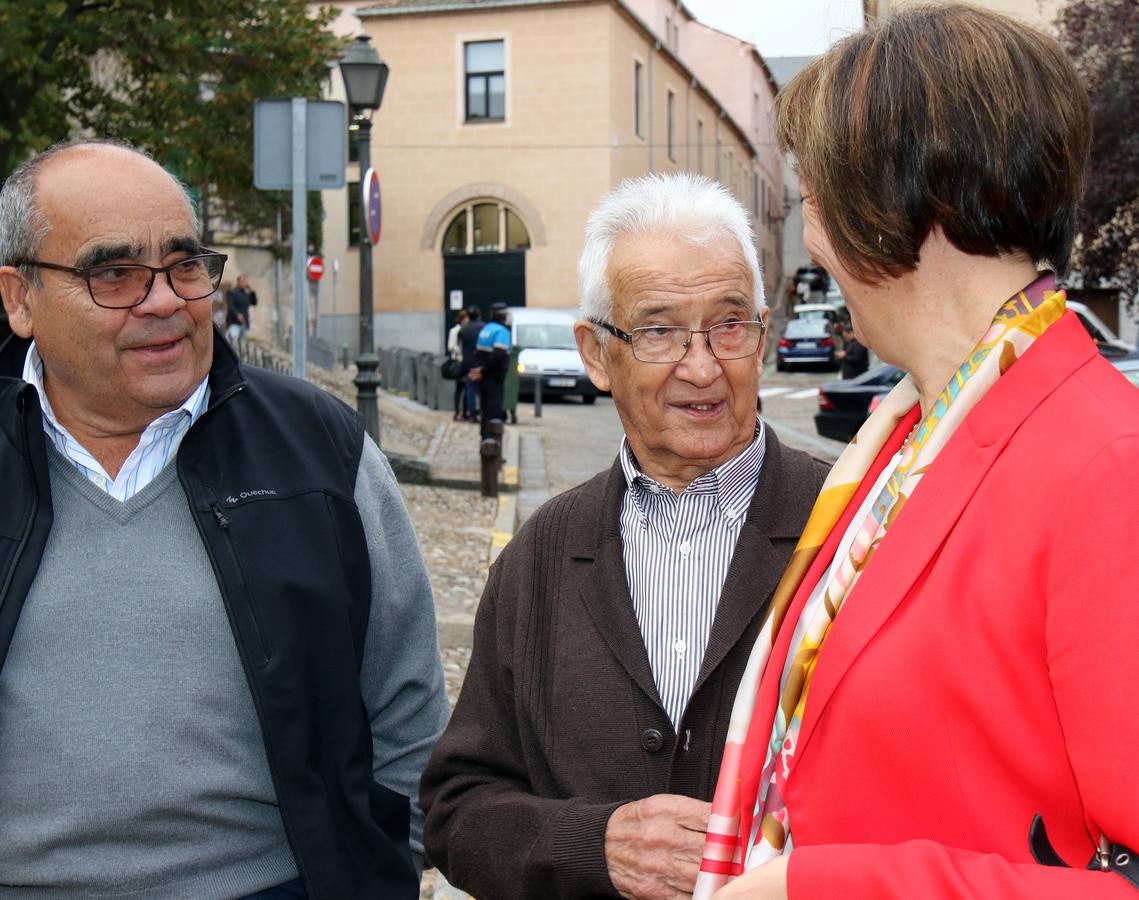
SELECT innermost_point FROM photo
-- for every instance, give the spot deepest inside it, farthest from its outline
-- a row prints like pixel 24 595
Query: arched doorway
pixel 484 258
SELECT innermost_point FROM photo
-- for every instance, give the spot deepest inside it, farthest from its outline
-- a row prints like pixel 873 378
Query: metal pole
pixel 538 396
pixel 278 325
pixel 300 240
pixel 367 378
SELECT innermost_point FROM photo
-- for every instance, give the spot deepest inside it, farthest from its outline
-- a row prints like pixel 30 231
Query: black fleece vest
pixel 269 471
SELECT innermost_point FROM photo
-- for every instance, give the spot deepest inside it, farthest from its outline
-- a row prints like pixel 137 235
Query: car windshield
pixel 806 328
pixel 546 336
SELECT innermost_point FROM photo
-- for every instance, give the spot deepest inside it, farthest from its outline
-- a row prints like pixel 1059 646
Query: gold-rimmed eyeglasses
pixel 669 343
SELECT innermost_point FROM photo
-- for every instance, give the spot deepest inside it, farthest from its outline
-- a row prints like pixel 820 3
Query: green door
pixel 483 278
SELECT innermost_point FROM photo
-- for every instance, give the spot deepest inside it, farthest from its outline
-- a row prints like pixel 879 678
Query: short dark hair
pixel 940 115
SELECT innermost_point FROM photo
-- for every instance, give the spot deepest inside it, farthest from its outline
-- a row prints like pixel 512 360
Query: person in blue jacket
pixel 493 356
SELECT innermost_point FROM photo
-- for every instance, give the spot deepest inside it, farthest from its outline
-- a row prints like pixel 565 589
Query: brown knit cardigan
pixel 559 720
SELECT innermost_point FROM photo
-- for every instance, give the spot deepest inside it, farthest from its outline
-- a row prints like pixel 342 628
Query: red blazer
pixel 986 667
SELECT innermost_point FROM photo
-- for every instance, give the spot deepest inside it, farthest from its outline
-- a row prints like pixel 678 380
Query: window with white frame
pixel 484 64
pixel 485 226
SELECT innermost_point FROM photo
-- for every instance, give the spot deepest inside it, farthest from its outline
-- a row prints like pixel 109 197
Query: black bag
pixel 450 368
pixel 1108 858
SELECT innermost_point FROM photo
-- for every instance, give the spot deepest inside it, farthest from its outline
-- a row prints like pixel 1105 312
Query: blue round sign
pixel 370 188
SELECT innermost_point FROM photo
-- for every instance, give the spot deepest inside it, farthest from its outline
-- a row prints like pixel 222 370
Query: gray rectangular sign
pixel 326 145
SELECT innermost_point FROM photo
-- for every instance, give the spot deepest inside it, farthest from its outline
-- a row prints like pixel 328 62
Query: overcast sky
pixel 782 27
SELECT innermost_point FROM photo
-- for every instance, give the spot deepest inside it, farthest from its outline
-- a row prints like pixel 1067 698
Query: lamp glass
pixel 365 75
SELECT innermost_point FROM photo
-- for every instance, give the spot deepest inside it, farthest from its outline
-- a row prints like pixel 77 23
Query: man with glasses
pixel 218 664
pixel 616 625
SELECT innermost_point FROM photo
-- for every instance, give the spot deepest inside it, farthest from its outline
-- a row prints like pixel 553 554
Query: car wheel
pixel 780 366
pixel 589 399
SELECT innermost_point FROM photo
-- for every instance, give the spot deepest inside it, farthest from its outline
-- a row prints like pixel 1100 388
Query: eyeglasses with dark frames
pixel 669 343
pixel 124 285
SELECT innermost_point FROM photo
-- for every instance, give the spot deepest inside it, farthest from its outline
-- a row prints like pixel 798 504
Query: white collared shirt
pixel 677 549
pixel 157 445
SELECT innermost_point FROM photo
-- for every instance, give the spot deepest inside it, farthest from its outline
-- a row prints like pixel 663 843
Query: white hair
pixel 685 204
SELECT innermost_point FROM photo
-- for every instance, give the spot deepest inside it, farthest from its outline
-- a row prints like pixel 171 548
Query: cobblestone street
pixel 454 530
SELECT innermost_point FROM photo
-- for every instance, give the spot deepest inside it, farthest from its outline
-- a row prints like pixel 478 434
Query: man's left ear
pixel 14 293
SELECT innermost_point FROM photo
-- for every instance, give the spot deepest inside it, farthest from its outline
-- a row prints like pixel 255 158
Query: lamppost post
pixel 367 378
pixel 365 78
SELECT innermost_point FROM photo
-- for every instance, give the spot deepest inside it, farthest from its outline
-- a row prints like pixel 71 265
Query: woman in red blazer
pixel 954 650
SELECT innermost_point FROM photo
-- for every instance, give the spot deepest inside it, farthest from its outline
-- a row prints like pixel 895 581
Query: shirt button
pixel 685 548
pixel 652 740
pixel 679 646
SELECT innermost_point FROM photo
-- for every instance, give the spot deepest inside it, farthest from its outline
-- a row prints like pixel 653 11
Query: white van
pixel 547 349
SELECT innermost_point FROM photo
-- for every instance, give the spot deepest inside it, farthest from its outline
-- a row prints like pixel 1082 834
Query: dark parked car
pixel 806 342
pixel 844 405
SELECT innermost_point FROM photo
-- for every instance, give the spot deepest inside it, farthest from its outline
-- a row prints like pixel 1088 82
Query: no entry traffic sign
pixel 314 268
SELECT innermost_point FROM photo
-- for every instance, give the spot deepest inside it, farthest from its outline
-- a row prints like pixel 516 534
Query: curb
pixel 506 519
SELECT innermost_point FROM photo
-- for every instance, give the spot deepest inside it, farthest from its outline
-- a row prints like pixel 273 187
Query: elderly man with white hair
pixel 615 627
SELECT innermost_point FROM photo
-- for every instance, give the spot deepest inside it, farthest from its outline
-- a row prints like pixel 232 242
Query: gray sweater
pixel 131 759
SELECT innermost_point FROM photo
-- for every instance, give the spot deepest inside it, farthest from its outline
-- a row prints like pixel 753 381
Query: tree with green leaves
pixel 176 77
pixel 1103 38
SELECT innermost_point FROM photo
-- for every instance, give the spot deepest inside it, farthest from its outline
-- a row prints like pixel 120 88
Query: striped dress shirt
pixel 156 446
pixel 677 549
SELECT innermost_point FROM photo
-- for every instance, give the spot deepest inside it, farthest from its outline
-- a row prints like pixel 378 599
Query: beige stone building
pixel 503 124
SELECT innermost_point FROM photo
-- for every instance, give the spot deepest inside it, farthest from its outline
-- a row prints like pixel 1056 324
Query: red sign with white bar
pixel 314 268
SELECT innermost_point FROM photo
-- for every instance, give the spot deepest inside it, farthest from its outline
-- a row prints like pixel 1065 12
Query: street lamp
pixel 365 77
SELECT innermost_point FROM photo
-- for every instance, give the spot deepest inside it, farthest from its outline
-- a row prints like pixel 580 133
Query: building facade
pixel 505 122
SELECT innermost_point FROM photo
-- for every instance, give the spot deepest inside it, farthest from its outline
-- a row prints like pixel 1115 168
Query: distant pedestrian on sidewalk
pixel 468 341
pixel 492 356
pixel 854 356
pixel 455 351
pixel 585 744
pixel 238 300
pixel 218 663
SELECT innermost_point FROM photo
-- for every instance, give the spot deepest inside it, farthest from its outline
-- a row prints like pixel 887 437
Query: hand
pixel 653 846
pixel 768 882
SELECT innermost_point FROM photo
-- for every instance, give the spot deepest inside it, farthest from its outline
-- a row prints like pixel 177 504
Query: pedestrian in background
pixel 492 356
pixel 218 663
pixel 616 624
pixel 455 351
pixel 854 357
pixel 249 300
pixel 957 655
pixel 238 299
pixel 468 340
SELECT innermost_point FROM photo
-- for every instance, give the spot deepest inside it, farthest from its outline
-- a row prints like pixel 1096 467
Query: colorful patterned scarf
pixel 750 823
